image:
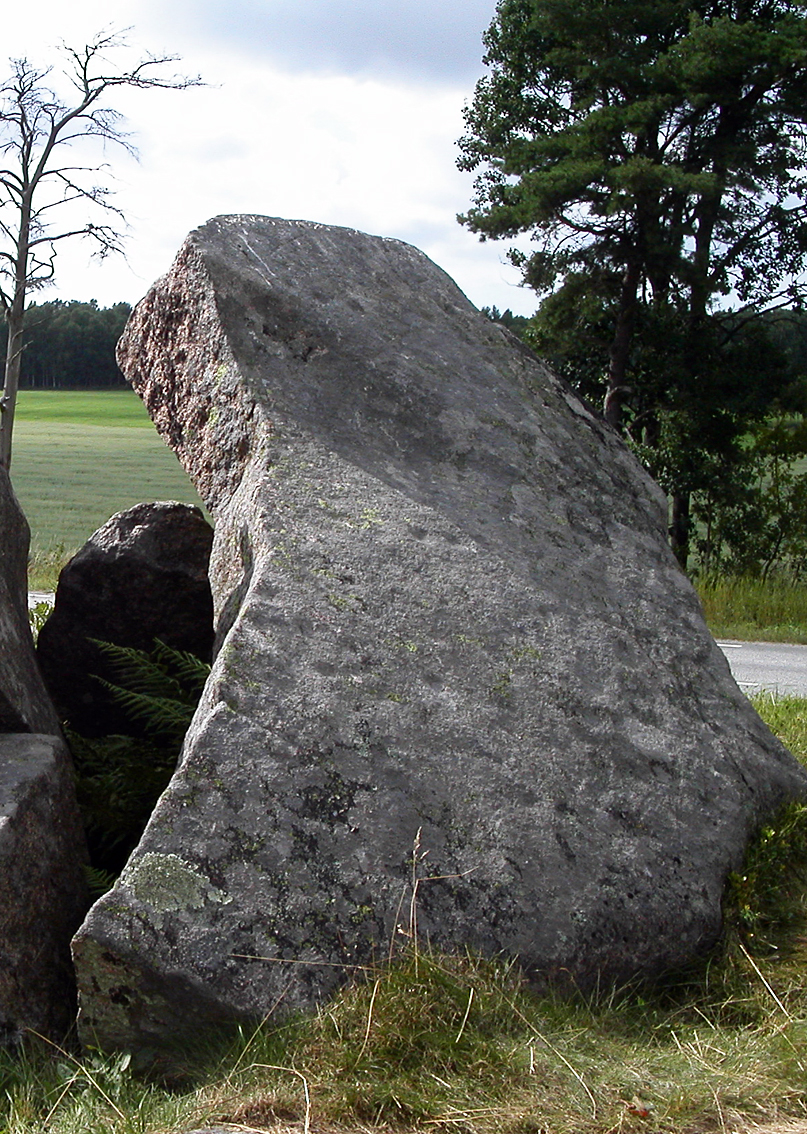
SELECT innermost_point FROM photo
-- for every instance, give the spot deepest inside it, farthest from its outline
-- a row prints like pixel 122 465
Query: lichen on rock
pixel 454 654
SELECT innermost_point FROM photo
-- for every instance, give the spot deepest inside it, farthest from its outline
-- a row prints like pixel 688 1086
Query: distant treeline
pixel 70 345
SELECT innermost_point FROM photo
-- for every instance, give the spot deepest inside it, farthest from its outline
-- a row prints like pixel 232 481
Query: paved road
pixel 35 597
pixel 768 665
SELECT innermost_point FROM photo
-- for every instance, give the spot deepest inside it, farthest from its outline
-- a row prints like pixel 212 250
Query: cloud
pixel 321 142
pixel 419 40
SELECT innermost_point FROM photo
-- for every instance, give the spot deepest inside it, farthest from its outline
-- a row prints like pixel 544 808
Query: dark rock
pixel 24 703
pixel 43 894
pixel 141 576
pixel 454 651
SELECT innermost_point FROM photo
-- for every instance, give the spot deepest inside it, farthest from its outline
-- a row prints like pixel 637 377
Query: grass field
pixel 78 458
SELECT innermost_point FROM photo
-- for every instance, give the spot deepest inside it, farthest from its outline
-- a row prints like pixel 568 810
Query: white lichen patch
pixel 166 883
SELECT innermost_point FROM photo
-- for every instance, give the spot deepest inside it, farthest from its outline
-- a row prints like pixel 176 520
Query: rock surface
pixel 43 895
pixel 141 576
pixel 24 703
pixel 453 651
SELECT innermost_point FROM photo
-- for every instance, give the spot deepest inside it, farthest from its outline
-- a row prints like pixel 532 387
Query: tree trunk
pixel 680 528
pixel 8 402
pixel 620 348
pixel 15 317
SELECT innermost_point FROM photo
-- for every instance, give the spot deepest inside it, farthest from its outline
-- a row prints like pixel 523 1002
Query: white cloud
pixel 337 141
pixel 410 39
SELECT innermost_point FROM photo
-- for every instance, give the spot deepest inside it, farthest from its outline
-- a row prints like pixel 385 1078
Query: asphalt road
pixel 768 665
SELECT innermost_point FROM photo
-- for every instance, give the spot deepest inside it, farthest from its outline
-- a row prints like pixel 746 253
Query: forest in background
pixel 70 345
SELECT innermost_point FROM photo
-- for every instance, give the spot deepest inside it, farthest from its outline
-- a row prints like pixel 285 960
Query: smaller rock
pixel 24 704
pixel 43 894
pixel 141 576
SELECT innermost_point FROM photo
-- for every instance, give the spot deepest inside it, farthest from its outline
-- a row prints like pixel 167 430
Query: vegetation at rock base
pixel 424 1041
pixel 120 778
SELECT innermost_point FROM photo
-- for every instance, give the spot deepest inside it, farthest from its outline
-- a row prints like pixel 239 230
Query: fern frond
pixel 161 716
pixel 137 670
pixel 120 778
pixel 188 670
pixel 99 882
pixel 163 673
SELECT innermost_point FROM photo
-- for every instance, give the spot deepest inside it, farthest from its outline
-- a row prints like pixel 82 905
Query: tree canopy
pixel 656 153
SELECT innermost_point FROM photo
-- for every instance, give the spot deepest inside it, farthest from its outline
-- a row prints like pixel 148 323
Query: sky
pixel 344 112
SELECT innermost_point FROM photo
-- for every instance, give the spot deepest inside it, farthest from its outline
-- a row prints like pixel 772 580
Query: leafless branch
pixel 35 124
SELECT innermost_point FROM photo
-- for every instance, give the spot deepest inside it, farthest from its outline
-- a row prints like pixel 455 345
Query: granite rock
pixel 43 893
pixel 454 653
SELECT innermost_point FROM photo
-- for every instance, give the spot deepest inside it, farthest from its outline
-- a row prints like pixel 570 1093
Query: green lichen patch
pixel 166 883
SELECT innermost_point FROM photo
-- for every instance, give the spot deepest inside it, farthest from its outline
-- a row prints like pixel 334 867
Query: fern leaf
pixel 189 671
pixel 138 671
pixel 159 715
pixel 99 881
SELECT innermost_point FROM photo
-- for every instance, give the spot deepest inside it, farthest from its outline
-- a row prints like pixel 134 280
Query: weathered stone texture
pixel 141 576
pixel 43 894
pixel 446 611
pixel 24 704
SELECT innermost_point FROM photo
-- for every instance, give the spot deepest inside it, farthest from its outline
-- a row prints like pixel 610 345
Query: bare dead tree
pixel 40 186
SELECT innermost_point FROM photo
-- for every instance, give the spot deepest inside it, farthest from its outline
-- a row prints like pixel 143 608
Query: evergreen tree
pixel 656 152
pixel 69 345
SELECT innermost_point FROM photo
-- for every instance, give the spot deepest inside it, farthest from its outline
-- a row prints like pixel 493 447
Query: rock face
pixel 453 648
pixel 141 576
pixel 43 895
pixel 24 704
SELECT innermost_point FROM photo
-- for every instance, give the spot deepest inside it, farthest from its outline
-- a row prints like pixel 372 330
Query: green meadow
pixel 78 458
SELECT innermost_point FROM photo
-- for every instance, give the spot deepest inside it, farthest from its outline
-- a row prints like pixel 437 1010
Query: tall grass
pixel 434 1042
pixel 752 610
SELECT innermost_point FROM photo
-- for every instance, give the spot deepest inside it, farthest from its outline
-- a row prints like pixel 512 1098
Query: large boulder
pixel 24 703
pixel 142 576
pixel 459 675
